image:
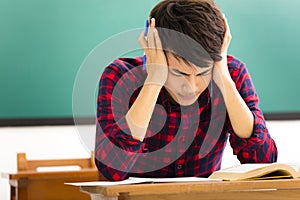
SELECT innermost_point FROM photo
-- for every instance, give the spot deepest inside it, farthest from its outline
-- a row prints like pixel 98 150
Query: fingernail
pixel 152 20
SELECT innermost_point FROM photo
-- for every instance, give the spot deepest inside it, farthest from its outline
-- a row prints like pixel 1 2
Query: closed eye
pixel 178 73
pixel 206 72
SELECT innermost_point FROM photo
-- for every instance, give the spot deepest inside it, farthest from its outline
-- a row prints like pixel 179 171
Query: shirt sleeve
pixel 260 147
pixel 116 151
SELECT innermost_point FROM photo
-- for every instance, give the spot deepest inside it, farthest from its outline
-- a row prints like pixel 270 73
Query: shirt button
pixel 179 166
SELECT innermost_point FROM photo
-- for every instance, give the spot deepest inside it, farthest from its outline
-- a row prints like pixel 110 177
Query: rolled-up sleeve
pixel 116 151
pixel 260 147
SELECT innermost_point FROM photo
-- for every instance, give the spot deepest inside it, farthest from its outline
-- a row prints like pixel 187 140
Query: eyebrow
pixel 183 73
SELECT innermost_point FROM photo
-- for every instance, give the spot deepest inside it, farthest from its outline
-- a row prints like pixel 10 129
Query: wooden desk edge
pixel 176 188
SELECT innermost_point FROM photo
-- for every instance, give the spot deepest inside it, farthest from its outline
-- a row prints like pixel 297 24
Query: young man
pixel 173 119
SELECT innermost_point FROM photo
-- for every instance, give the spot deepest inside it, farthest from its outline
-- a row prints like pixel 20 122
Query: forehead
pixel 179 64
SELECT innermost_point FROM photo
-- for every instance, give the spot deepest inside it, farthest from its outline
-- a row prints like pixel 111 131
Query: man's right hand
pixel 156 64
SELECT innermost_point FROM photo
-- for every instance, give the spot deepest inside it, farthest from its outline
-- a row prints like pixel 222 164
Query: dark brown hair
pixel 201 20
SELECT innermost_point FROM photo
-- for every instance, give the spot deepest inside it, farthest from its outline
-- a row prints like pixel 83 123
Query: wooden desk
pixel 287 189
pixel 34 185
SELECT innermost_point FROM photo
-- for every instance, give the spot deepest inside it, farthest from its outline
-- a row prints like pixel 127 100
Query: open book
pixel 257 171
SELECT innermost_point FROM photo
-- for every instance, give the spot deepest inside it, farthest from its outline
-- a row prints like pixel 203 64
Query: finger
pixel 157 39
pixel 142 41
pixel 152 23
pixel 155 34
pixel 151 39
pixel 227 29
pixel 227 36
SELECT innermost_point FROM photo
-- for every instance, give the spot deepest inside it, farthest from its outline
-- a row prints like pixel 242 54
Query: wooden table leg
pixel 13 193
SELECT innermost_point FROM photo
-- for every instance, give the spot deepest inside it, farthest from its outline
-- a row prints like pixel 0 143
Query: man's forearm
pixel 240 116
pixel 140 113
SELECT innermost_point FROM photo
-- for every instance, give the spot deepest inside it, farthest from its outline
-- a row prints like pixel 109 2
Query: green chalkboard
pixel 266 36
pixel 43 43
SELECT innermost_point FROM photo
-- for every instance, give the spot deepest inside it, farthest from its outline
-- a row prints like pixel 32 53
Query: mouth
pixel 187 97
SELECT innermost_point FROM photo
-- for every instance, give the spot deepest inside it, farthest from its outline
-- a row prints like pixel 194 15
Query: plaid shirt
pixel 180 140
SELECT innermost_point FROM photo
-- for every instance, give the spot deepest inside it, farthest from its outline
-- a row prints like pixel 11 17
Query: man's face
pixel 185 82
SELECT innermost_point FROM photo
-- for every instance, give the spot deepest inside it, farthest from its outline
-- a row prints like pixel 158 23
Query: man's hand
pixel 156 65
pixel 220 72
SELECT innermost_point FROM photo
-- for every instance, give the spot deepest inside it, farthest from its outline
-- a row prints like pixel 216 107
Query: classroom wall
pixel 54 142
pixel 44 43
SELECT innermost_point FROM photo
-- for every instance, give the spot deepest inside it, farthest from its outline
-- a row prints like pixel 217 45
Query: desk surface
pixel 266 189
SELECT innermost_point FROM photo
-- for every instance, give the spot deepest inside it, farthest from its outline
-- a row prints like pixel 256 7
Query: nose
pixel 190 86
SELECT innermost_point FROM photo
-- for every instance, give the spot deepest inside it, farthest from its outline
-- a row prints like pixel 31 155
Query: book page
pixel 174 180
pixel 295 166
pixel 245 167
pixel 135 180
pixel 107 183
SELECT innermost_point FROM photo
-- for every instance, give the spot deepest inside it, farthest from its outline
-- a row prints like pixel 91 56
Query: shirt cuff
pixel 257 136
pixel 121 136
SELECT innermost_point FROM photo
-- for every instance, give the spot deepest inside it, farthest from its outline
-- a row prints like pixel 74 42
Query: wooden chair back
pixel 23 164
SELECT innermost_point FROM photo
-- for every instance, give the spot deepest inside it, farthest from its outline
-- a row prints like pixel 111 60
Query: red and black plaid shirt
pixel 180 140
